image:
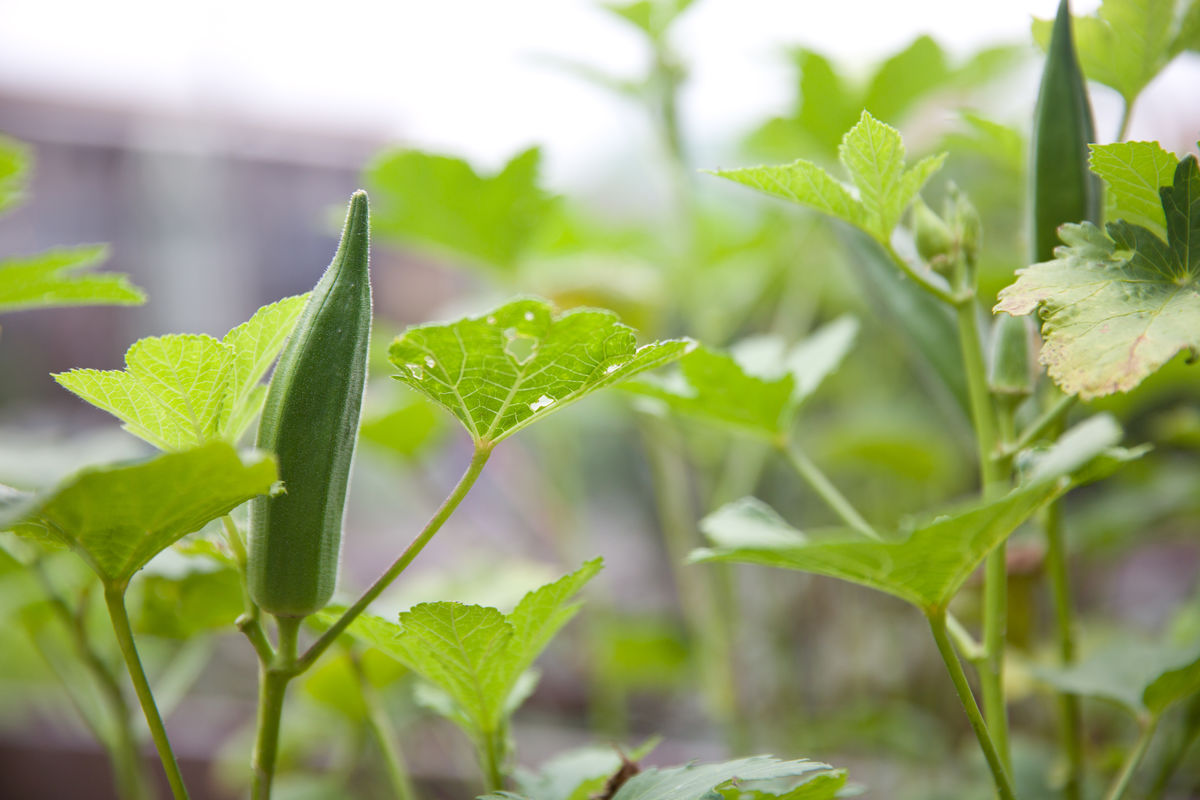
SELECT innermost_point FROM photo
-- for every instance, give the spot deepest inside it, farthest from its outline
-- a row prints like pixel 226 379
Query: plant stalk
pixel 493 759
pixel 937 624
pixel 1121 783
pixel 114 598
pixel 274 677
pixel 399 780
pixel 1070 712
pixel 824 487
pixel 452 501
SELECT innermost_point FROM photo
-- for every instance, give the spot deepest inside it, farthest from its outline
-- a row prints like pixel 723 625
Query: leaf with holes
pixel 1117 304
pixel 181 390
pixel 503 371
pixel 118 517
pixel 53 278
pixel 872 153
pixel 758 385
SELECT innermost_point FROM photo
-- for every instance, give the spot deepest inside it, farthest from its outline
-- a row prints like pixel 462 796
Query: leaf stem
pixel 946 296
pixel 482 452
pixel 1070 714
pixel 1117 790
pixel 385 736
pixel 937 624
pixel 1045 422
pixel 114 598
pixel 992 477
pixel 274 677
pixel 824 487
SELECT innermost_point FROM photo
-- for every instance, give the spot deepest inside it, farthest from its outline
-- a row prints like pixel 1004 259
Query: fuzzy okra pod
pixel 310 422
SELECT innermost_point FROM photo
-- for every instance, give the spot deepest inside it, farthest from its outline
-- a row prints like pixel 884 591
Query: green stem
pixel 937 624
pixel 1070 713
pixel 385 735
pixel 249 622
pixel 992 476
pixel 824 487
pixel 452 501
pixel 114 598
pixel 273 681
pixel 920 280
pixel 1125 776
pixel 493 759
pixel 1177 750
pixel 1048 419
pixel 1126 118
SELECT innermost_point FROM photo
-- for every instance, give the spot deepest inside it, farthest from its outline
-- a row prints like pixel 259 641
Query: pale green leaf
pixel 711 781
pixel 406 430
pixel 805 183
pixel 52 279
pixel 542 613
pixel 1117 306
pixel 873 153
pixel 1075 448
pixel 256 344
pixel 442 203
pixel 1124 44
pixel 578 774
pixel 173 391
pixel 652 17
pixel 118 517
pixel 505 370
pixel 1144 677
pixel 926 567
pixel 820 787
pixel 14 165
pixel 1188 37
pixel 758 385
pixel 1133 173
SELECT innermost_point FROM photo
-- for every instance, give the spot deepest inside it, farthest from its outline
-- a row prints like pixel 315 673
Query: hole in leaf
pixel 521 348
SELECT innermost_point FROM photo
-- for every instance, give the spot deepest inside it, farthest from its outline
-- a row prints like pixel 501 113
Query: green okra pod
pixel 310 422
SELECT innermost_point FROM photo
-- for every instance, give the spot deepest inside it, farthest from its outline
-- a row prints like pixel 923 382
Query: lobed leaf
pixel 758 385
pixel 51 278
pixel 441 202
pixel 501 372
pixel 117 517
pixel 256 343
pixel 1133 173
pixel 1118 304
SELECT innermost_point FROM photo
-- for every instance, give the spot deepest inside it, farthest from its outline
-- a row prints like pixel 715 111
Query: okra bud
pixel 310 422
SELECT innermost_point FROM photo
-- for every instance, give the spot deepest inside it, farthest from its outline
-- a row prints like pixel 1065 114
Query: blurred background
pixel 213 146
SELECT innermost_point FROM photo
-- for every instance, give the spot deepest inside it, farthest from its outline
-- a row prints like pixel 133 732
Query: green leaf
pixel 758 385
pixel 1116 306
pixel 873 155
pixel 51 279
pixel 181 390
pixel 476 655
pixel 407 430
pixel 1126 43
pixel 1143 677
pixel 442 203
pixel 652 17
pixel 183 606
pixel 118 517
pixel 256 344
pixel 523 361
pixel 14 165
pixel 1133 173
pixel 926 567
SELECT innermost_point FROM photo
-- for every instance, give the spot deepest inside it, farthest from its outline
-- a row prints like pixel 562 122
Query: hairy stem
pixel 824 487
pixel 1121 783
pixel 114 598
pixel 452 501
pixel 274 677
pixel 937 624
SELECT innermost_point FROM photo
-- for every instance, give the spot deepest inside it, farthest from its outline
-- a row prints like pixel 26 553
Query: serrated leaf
pixel 1125 43
pixel 441 202
pixel 820 787
pixel 503 371
pixel 14 165
pixel 172 392
pixel 577 774
pixel 118 517
pixel 873 155
pixel 758 385
pixel 256 344
pixel 475 655
pixel 1116 306
pixel 406 430
pixel 1143 677
pixel 926 567
pixel 1133 173
pixel 52 278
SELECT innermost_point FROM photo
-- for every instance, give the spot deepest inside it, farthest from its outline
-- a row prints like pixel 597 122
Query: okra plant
pixel 763 355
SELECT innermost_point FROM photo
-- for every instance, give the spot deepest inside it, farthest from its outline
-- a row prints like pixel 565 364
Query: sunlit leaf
pixel 443 203
pixel 925 567
pixel 118 517
pixel 758 385
pixel 53 278
pixel 1118 304
pixel 256 344
pixel 1133 172
pixel 505 370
